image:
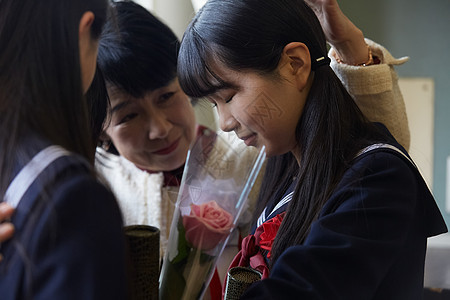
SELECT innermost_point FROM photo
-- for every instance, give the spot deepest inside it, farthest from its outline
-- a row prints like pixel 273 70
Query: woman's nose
pixel 159 127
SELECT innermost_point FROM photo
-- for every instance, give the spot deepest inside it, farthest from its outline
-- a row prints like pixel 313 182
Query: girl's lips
pixel 169 149
pixel 250 140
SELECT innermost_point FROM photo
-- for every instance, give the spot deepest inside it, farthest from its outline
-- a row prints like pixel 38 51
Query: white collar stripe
pixel 30 172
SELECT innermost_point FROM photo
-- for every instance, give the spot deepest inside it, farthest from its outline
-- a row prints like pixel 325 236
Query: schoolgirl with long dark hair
pixel 68 241
pixel 355 211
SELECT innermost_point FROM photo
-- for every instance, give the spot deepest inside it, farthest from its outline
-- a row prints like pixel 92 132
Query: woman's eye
pixel 212 101
pixel 166 96
pixel 127 118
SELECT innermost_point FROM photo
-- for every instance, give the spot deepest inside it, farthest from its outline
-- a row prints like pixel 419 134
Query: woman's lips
pixel 169 149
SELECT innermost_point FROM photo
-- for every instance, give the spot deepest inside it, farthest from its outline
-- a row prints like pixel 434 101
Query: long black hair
pixel 41 90
pixel 98 103
pixel 251 35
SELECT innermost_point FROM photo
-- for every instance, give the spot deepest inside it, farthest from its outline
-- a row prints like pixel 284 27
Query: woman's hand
pixel 341 33
pixel 6 228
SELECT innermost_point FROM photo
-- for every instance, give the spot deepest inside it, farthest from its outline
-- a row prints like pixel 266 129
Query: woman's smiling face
pixel 153 132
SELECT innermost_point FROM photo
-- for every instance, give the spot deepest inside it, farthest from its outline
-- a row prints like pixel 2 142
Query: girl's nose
pixel 226 120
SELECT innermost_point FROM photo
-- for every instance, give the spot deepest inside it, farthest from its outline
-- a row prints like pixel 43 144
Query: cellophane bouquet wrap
pixel 218 176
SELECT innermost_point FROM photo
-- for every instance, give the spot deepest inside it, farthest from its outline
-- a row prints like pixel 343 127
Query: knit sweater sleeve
pixel 376 91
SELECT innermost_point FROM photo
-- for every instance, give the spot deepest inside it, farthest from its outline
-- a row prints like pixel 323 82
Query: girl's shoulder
pixel 380 157
pixel 58 180
pixel 383 178
pixel 381 171
pixel 68 223
pixel 378 173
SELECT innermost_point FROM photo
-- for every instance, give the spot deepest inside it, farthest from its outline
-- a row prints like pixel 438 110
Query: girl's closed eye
pixel 220 99
pixel 228 100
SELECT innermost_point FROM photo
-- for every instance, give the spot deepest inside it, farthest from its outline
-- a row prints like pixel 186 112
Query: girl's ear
pixel 296 61
pixel 87 49
pixel 84 32
pixel 84 28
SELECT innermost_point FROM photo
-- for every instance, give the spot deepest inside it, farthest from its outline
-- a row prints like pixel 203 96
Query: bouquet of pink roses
pixel 217 179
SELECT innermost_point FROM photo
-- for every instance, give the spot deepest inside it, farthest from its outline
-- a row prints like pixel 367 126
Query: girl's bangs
pixel 195 71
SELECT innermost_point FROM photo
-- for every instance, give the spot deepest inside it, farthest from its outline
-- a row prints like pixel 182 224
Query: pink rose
pixel 206 225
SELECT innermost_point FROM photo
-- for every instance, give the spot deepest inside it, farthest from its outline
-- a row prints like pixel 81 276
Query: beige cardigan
pixel 376 91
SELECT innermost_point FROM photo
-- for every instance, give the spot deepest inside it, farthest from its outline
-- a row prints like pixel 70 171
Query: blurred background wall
pixel 420 30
